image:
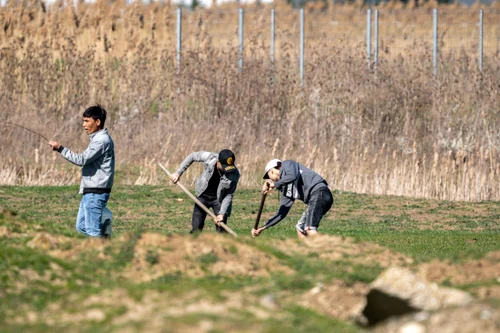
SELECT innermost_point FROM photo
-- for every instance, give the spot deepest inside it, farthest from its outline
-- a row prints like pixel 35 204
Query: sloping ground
pixel 151 311
pixel 67 248
pixel 208 254
pixel 210 282
pixel 487 268
pixel 157 255
pixel 336 248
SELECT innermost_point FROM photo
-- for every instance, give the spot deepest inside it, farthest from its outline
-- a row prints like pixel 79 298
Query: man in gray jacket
pixel 98 170
pixel 297 182
pixel 215 188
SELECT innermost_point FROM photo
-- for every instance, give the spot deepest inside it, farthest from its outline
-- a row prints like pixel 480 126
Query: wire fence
pixel 419 36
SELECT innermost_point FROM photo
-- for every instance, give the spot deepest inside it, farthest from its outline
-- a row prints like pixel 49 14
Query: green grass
pixel 34 282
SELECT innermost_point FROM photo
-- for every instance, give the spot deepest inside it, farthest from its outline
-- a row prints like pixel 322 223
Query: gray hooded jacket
pixel 97 162
pixel 228 181
pixel 296 182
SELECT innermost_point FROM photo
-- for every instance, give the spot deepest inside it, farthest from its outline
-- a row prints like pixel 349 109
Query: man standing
pixel 98 170
pixel 297 182
pixel 215 188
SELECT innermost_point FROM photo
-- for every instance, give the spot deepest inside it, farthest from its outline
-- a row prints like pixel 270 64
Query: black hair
pixel 96 112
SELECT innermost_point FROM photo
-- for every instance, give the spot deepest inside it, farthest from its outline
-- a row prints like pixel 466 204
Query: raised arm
pixel 199 156
pixel 93 151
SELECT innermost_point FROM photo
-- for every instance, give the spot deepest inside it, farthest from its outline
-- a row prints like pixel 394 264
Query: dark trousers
pixel 320 203
pixel 199 215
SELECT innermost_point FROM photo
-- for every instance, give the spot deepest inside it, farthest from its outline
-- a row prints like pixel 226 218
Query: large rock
pixel 472 318
pixel 397 291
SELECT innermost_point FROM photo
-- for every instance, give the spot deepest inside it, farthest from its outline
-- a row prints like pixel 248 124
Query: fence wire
pixel 402 34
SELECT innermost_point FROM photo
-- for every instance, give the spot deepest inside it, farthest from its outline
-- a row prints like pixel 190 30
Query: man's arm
pixel 199 156
pixel 288 173
pixel 93 151
pixel 229 196
pixel 285 206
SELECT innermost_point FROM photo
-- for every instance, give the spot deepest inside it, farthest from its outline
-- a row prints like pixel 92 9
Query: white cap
pixel 271 164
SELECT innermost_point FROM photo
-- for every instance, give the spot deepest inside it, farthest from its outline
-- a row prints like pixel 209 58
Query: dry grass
pixel 399 131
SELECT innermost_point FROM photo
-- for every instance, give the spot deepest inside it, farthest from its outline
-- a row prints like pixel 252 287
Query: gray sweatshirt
pixel 296 182
pixel 228 181
pixel 97 162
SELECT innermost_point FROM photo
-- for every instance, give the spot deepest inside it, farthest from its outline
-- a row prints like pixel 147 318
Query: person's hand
pixel 219 219
pixel 55 145
pixel 267 187
pixel 257 232
pixel 175 177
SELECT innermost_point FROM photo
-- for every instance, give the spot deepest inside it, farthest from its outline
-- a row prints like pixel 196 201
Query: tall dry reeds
pixel 400 131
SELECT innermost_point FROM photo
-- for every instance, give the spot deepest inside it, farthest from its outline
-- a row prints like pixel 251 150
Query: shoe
pixel 300 228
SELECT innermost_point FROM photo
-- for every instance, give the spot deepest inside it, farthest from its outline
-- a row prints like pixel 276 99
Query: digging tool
pixel 198 202
pixel 25 128
pixel 256 225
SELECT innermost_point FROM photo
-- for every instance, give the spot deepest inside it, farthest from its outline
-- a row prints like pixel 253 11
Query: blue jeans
pixel 89 220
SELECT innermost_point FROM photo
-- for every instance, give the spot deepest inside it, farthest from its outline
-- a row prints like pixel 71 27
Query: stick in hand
pixel 256 225
pixel 198 202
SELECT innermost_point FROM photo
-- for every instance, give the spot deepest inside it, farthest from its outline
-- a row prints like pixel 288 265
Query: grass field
pixel 154 276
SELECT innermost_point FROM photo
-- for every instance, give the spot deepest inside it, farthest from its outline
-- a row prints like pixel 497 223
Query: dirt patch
pixel 336 248
pixel 484 269
pixel 157 255
pixel 337 299
pixel 67 248
pixel 45 241
pixel 487 292
pixel 73 248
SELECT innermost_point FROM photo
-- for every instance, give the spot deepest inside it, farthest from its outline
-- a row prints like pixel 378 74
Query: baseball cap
pixel 271 164
pixel 226 159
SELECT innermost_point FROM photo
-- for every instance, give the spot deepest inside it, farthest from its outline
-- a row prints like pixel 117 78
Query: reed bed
pixel 398 130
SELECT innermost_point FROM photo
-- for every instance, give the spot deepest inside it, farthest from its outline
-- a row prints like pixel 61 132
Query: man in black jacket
pixel 296 181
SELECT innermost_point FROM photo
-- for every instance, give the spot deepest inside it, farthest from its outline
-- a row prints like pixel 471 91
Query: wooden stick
pixel 256 225
pixel 199 203
pixel 9 123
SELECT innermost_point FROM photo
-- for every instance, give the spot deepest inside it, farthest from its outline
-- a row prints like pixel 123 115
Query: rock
pixel 412 327
pixel 317 289
pixel 397 291
pixel 472 318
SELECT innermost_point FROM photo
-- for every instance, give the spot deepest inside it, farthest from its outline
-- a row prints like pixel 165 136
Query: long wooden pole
pixel 256 225
pixel 199 203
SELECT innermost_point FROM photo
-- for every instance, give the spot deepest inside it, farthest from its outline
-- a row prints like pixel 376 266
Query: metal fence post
pixel 179 38
pixel 375 51
pixel 368 36
pixel 301 60
pixel 272 35
pixel 240 39
pixel 481 40
pixel 435 40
